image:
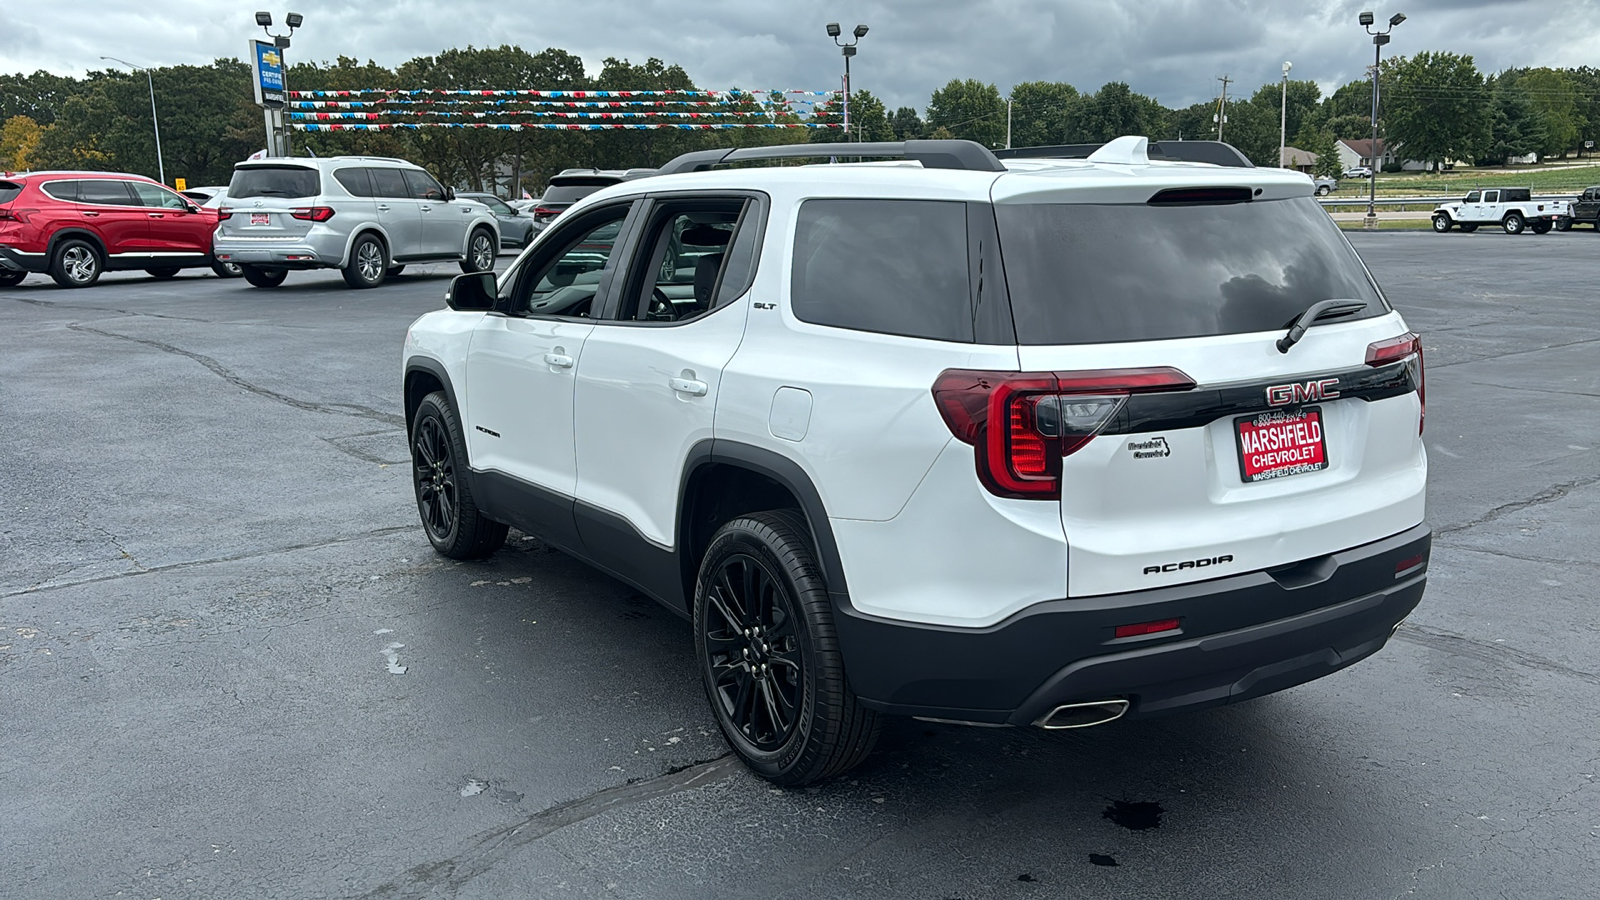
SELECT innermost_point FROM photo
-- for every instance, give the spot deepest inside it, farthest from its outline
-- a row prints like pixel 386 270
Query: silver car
pixel 366 216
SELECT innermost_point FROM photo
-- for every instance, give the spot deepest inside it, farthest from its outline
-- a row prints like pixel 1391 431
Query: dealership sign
pixel 266 70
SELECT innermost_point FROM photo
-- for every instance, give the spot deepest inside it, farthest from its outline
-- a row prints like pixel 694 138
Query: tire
pixel 1541 227
pixel 1468 228
pixel 163 272
pixel 395 270
pixel 1323 191
pixel 1512 223
pixel 1564 224
pixel 1441 223
pixel 449 513
pixel 76 263
pixel 757 663
pixel 369 263
pixel 481 251
pixel 263 278
pixel 12 279
pixel 226 269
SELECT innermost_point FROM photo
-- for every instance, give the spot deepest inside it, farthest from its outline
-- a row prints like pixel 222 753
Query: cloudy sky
pixel 1170 49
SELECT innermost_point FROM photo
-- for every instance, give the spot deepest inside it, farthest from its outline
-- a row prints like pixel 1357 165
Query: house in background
pixel 1354 153
pixel 1297 159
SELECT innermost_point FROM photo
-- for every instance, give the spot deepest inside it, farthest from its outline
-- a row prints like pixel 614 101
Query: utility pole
pixel 1283 116
pixel 1222 106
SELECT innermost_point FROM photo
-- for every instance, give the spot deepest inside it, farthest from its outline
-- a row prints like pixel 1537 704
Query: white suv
pixel 1035 442
pixel 366 216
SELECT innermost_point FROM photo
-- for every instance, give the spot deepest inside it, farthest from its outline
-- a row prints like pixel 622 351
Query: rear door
pixel 1220 453
pixel 109 208
pixel 397 212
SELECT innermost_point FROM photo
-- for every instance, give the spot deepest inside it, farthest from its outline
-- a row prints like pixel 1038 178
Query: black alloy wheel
pixel 9 278
pixel 1441 223
pixel 1542 226
pixel 163 272
pixel 769 656
pixel 449 514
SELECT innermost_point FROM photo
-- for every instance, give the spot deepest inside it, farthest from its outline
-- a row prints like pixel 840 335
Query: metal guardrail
pixel 1421 201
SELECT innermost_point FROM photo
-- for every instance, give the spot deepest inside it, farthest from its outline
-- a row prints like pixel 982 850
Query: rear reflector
pixel 1143 628
pixel 1041 417
pixel 1397 349
pixel 1408 565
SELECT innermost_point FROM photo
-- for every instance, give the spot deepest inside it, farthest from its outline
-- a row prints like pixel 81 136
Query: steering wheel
pixel 661 308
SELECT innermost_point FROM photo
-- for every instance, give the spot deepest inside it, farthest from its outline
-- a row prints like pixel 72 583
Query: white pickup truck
pixel 1513 209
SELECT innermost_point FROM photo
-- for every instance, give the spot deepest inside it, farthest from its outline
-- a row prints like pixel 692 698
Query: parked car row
pixel 368 217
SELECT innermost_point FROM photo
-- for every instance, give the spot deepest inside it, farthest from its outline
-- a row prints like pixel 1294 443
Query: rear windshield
pixel 1090 274
pixel 9 191
pixel 274 181
pixel 571 193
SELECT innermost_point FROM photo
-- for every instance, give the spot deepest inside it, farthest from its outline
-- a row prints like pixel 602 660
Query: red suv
pixel 75 225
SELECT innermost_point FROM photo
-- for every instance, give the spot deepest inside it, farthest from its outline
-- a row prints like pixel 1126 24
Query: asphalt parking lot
pixel 232 666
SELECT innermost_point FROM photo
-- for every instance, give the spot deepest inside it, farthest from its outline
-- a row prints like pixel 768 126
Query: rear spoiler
pixel 1214 152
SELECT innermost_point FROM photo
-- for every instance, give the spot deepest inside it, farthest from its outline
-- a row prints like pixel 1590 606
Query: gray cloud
pixel 1170 49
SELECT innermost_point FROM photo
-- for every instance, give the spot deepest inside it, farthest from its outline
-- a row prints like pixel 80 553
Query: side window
pixel 355 180
pixel 61 190
pixel 106 192
pixel 389 183
pixel 681 260
pixel 156 196
pixel 1491 196
pixel 565 279
pixel 422 185
pixel 1472 197
pixel 886 266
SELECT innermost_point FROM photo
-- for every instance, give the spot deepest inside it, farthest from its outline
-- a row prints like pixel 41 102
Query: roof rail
pixel 967 155
pixel 1215 152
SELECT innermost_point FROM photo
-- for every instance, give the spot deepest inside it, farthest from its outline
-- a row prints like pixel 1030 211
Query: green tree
pixel 1351 127
pixel 907 125
pixel 868 120
pixel 1515 127
pixel 37 96
pixel 969 109
pixel 1041 112
pixel 1436 105
pixel 1113 111
pixel 1555 100
pixel 18 138
pixel 1304 98
pixel 1352 99
pixel 1323 144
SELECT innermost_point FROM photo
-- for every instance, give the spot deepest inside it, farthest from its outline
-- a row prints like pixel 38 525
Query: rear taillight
pixel 15 215
pixel 1398 349
pixel 546 211
pixel 224 214
pixel 1044 416
pixel 312 213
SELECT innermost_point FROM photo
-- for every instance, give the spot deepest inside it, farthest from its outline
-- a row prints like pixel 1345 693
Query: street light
pixel 848 50
pixel 281 41
pixel 161 167
pixel 1379 38
pixel 1283 116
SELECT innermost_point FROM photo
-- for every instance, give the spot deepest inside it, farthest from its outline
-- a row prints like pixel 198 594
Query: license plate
pixel 261 218
pixel 1280 443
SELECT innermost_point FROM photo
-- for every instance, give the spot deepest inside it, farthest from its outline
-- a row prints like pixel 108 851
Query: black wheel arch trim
pixel 435 369
pixel 82 234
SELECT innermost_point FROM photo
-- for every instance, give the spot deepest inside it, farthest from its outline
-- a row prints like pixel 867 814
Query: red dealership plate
pixel 261 218
pixel 1280 443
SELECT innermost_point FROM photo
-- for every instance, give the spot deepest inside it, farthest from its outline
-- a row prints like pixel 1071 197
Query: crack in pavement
pixel 1461 645
pixel 1434 367
pixel 189 564
pixel 1525 558
pixel 452 873
pixel 1507 387
pixel 52 304
pixel 223 372
pixel 1548 495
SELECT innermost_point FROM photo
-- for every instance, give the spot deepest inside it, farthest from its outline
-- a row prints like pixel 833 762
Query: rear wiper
pixel 1322 309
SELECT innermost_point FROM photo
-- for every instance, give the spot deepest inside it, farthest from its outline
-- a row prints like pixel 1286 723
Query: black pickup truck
pixel 1584 209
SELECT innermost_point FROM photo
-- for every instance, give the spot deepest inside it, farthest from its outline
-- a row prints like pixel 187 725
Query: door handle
pixel 92 215
pixel 558 360
pixel 427 209
pixel 383 207
pixel 688 386
pixel 155 215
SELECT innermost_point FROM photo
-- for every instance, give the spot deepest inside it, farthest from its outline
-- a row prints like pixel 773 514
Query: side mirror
pixel 449 194
pixel 473 292
pixel 193 208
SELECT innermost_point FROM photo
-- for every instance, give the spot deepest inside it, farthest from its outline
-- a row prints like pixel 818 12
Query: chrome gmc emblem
pixel 1309 392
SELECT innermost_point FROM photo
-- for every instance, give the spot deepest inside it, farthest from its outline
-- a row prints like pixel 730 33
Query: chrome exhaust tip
pixel 1083 715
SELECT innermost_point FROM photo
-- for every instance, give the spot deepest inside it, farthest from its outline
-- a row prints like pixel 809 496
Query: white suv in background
pixel 1035 442
pixel 366 216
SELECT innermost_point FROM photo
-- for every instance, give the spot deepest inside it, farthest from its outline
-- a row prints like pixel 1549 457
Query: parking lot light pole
pixel 848 50
pixel 279 136
pixel 1379 38
pixel 161 166
pixel 1283 115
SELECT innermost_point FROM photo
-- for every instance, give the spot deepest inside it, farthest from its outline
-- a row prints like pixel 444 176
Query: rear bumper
pixel 13 260
pixel 317 250
pixel 1239 637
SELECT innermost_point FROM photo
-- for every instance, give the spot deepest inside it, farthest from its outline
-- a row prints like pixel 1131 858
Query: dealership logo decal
pixel 1155 448
pixel 1308 392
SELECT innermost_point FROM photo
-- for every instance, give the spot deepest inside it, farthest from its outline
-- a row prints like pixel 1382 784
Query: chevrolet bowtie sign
pixel 266 69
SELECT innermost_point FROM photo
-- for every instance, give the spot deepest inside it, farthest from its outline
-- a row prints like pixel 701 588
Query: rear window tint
pixel 887 266
pixel 274 181
pixel 106 192
pixel 1516 195
pixel 355 181
pixel 570 193
pixel 61 190
pixel 388 183
pixel 1087 274
pixel 9 191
